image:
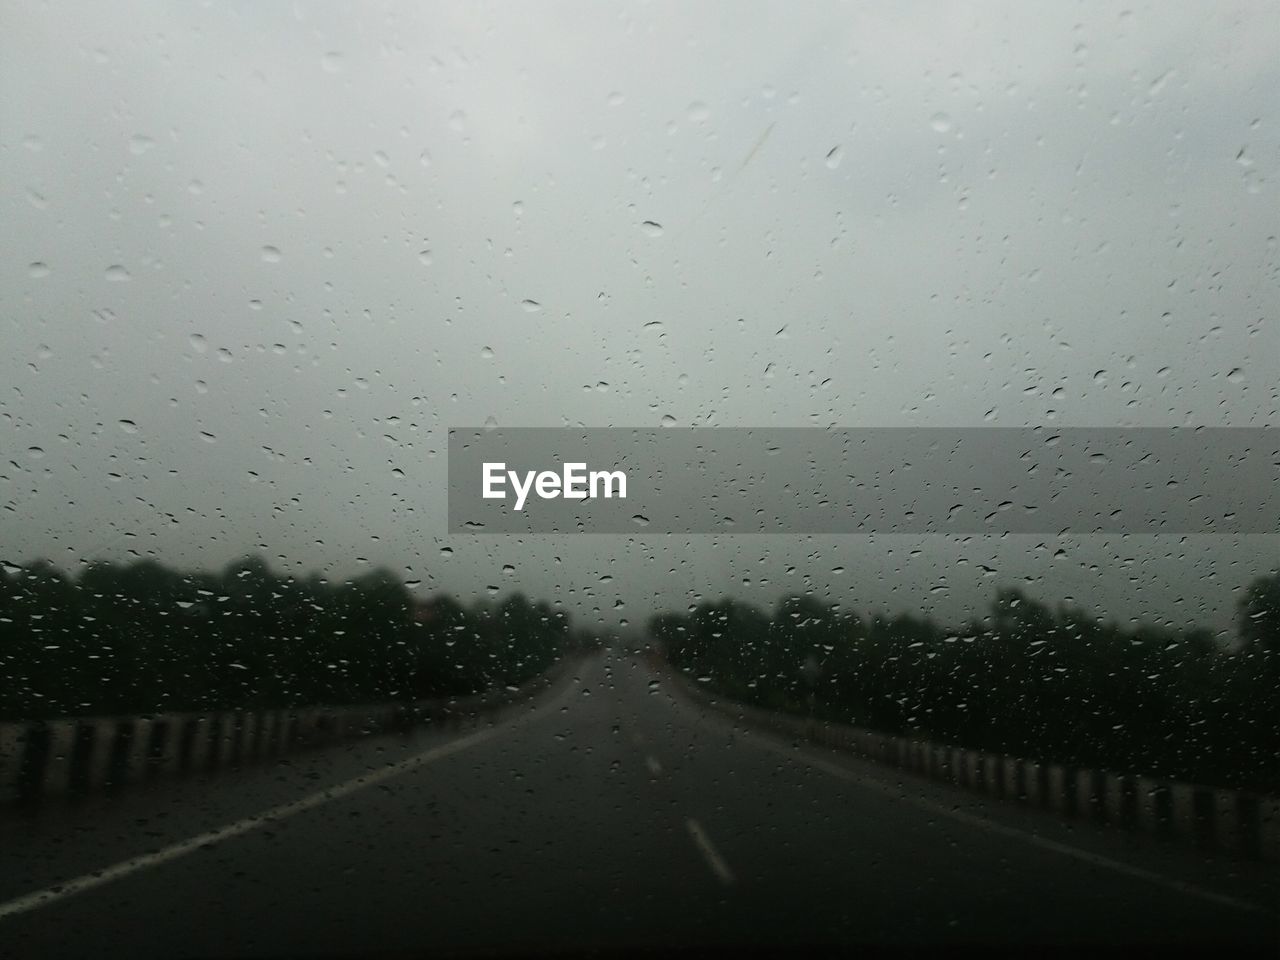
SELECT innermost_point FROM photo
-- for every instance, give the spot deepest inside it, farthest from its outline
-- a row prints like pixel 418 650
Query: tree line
pixel 1028 680
pixel 141 638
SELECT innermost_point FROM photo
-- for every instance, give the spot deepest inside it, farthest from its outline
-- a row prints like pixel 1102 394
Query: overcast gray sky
pixel 258 258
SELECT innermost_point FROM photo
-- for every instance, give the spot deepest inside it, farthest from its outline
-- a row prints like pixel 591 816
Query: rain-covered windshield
pixel 554 477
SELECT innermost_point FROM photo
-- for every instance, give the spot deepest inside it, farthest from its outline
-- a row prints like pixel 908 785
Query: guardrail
pixel 1216 819
pixel 48 760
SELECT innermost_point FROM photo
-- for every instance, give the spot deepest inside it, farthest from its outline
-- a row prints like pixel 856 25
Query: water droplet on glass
pixel 531 306
pixel 331 62
pixel 117 273
pixel 834 156
pixel 38 270
pixel 271 254
pixel 486 353
pixel 940 122
pixel 128 426
pixel 651 228
pixel 699 112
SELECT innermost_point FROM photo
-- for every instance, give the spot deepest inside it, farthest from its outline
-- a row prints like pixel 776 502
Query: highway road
pixel 613 812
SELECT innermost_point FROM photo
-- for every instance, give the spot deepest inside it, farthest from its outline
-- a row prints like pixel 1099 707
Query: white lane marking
pixel 654 766
pixel 60 891
pixel 713 858
pixel 1095 859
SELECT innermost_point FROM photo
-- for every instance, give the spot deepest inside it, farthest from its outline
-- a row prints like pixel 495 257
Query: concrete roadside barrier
pixel 12 743
pixel 48 761
pixel 974 770
pixel 1119 800
pixel 942 762
pixel 234 736
pixel 157 748
pixel 1151 806
pixel 1089 795
pixel 131 765
pixel 1013 779
pixel 276 735
pixel 991 774
pixel 255 723
pixel 1229 831
pixel 91 759
pixel 1269 829
pixel 1182 813
pixel 1033 787
pixel 1217 820
pixel 911 758
pixel 60 739
pixel 1059 797
pixel 199 736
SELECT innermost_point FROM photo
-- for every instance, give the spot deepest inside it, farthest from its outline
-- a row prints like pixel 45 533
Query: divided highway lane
pixel 612 813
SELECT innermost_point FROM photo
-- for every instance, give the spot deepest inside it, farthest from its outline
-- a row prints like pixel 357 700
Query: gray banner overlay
pixel 957 481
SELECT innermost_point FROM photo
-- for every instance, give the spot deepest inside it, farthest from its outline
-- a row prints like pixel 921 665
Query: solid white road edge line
pixel 1095 859
pixel 713 858
pixel 124 868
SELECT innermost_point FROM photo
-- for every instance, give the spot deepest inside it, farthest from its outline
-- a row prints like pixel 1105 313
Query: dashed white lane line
pixel 41 898
pixel 654 766
pixel 709 852
pixel 1044 843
